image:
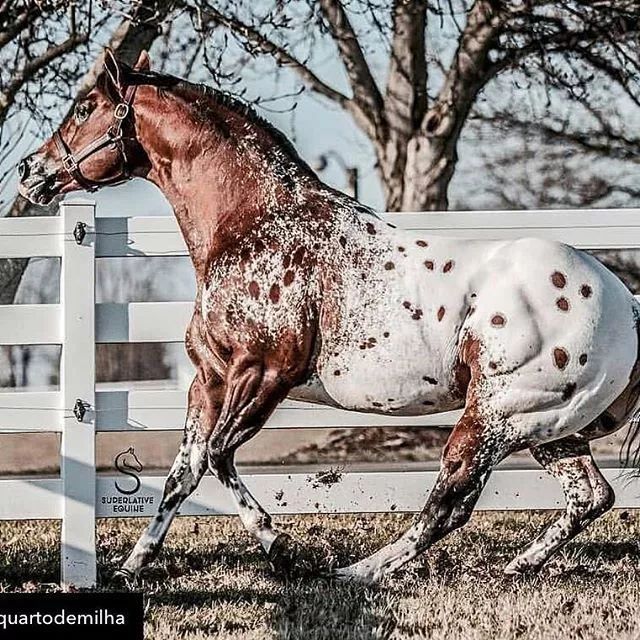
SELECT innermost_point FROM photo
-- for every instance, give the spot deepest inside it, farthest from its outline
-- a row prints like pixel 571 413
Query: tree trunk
pixel 431 163
pixel 417 177
pixel 416 169
pixel 405 99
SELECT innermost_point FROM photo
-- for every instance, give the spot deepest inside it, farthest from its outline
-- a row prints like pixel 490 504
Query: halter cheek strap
pixel 111 137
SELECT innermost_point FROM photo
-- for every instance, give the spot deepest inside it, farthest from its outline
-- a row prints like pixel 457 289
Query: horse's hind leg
pixel 587 493
pixel 472 450
pixel 186 472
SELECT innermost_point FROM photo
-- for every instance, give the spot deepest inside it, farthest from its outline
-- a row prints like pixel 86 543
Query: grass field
pixel 212 581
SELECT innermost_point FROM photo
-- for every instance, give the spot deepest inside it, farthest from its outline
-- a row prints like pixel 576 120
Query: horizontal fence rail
pixel 80 408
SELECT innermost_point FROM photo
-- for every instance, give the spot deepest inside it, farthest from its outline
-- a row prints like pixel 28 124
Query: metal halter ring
pixel 69 163
pixel 121 111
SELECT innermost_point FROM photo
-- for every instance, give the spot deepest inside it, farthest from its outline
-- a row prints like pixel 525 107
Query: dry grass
pixel 212 581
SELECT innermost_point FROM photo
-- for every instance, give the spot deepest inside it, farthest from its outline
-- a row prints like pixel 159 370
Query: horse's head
pixel 95 146
pixel 133 462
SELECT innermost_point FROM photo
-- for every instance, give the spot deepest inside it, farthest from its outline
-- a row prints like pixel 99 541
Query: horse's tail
pixel 630 451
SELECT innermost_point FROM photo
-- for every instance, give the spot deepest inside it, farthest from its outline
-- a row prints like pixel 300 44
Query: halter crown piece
pixel 111 137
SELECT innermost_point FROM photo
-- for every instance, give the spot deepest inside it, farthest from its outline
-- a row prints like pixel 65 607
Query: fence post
pixel 77 382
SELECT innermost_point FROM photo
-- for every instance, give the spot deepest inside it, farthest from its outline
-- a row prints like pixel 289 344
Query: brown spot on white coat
pixel 254 289
pixel 560 357
pixel 558 279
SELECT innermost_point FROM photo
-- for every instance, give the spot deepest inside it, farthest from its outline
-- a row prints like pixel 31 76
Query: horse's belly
pixel 400 381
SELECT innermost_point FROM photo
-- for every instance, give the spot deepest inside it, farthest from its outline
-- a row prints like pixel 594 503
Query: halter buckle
pixel 121 111
pixel 69 163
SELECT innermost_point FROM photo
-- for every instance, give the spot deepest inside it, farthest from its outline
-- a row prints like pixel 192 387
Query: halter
pixel 112 136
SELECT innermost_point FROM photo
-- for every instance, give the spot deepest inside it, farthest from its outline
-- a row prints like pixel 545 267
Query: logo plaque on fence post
pixel 128 499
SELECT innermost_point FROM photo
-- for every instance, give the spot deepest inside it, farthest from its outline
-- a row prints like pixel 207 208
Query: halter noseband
pixel 112 136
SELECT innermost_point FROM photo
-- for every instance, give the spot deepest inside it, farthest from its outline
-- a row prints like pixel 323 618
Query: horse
pixel 303 292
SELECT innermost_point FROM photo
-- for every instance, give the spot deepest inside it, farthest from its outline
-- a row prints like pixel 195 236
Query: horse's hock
pixel 80 409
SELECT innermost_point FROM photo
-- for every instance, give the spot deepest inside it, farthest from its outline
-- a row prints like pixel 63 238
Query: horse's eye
pixel 81 112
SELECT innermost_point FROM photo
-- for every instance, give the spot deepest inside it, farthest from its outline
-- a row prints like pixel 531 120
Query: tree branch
pixel 470 70
pixel 366 95
pixel 33 66
pixel 263 44
pixel 18 23
pixel 406 95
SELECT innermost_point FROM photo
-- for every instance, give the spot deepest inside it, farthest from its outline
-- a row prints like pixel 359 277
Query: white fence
pixel 78 410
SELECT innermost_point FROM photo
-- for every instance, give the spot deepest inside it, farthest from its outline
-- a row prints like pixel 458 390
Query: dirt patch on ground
pixel 373 444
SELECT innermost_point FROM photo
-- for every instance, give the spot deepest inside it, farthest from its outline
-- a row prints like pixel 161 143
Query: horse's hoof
pixel 282 554
pixel 519 567
pixel 125 576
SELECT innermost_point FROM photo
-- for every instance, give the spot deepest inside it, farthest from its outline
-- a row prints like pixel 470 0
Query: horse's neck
pixel 217 190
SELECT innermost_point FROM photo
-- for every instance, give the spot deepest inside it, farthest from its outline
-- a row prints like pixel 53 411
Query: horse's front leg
pixel 186 472
pixel 468 457
pixel 253 390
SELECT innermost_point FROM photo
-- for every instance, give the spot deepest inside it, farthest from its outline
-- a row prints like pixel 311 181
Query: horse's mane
pixel 223 99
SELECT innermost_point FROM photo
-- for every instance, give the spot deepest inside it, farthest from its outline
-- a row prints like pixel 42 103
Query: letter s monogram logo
pixel 128 464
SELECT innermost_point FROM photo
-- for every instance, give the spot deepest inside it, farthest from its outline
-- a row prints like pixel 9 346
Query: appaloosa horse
pixel 303 292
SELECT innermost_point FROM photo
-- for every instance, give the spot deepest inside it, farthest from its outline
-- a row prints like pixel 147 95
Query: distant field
pixel 212 581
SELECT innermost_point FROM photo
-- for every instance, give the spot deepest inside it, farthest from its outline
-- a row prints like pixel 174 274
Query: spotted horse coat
pixel 303 292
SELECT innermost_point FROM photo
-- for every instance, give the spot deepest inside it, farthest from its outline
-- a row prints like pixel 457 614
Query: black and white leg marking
pixel 467 460
pixel 254 518
pixel 186 472
pixel 587 493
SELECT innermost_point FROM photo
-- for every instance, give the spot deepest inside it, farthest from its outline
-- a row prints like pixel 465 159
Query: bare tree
pixel 414 110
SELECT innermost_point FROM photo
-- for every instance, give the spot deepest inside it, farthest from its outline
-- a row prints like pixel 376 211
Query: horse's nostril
pixel 23 169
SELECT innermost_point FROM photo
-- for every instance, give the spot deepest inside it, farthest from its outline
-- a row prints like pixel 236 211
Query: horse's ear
pixel 144 62
pixel 112 81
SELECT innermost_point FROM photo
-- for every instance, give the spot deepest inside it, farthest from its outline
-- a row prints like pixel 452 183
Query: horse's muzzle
pixel 35 183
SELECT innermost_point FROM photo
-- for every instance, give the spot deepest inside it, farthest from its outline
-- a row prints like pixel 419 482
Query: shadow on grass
pixel 229 577
pixel 326 609
pixel 25 566
pixel 607 551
